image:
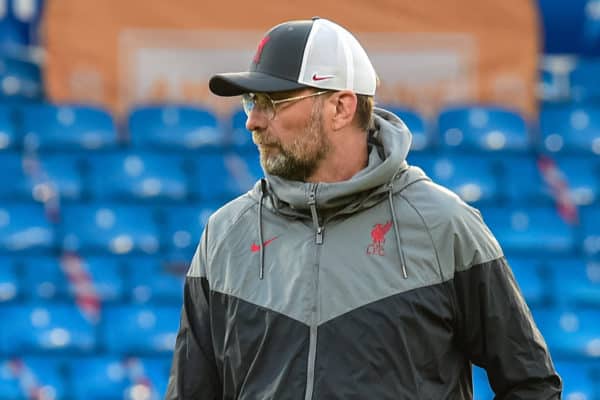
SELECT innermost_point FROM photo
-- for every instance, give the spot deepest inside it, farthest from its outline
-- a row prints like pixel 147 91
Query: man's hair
pixel 364 111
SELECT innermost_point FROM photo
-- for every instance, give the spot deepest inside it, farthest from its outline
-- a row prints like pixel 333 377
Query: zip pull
pixel 312 202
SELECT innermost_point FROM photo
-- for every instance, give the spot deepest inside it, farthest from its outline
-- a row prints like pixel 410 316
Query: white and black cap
pixel 309 53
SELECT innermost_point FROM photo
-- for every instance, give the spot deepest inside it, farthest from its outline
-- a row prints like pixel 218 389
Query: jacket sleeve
pixel 194 373
pixel 495 326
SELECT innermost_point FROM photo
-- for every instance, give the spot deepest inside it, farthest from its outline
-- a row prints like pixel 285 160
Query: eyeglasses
pixel 264 103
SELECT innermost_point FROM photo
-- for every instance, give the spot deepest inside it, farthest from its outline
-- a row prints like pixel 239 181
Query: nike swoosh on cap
pixel 316 77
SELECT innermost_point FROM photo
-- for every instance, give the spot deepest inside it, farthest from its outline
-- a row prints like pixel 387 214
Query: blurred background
pixel 114 155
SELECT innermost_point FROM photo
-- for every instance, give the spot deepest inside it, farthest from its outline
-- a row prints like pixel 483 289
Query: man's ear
pixel 345 103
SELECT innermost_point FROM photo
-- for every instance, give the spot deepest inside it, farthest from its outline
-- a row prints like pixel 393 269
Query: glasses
pixel 264 103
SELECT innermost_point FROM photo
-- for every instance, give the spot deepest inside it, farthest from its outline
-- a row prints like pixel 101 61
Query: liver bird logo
pixel 379 231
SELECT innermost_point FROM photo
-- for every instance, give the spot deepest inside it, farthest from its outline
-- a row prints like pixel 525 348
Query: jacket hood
pixel 389 143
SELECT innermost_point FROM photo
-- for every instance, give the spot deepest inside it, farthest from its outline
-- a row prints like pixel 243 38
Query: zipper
pixel 315 310
pixel 312 203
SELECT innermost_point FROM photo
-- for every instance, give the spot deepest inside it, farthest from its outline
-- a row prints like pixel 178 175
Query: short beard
pixel 300 159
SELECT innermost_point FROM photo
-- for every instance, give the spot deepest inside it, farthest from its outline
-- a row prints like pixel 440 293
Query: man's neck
pixel 347 157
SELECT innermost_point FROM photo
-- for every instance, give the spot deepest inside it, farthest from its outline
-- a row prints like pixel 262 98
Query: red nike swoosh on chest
pixel 256 247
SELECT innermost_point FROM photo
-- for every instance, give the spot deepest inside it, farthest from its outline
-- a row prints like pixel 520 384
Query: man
pixel 345 274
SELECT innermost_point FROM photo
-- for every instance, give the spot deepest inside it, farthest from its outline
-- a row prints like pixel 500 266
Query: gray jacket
pixel 385 286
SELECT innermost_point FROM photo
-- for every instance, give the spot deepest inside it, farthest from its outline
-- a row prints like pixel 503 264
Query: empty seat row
pixel 101 280
pixel 83 378
pixel 69 329
pixel 45 127
pixel 514 179
pixel 134 176
pixel 102 228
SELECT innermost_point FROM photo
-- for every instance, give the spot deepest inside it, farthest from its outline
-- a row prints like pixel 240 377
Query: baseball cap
pixel 315 53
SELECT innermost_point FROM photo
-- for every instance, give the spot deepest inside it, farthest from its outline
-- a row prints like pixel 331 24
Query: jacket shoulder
pixel 457 229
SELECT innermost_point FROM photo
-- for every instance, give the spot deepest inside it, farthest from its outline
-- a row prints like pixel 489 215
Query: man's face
pixel 293 143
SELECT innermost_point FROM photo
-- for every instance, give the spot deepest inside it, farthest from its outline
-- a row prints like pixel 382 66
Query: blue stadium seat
pixel 578 382
pixel 421 137
pixel 20 377
pixel 183 228
pixel 10 139
pixel 21 81
pixel 24 228
pixel 571 128
pixel 53 176
pixel 576 282
pixel 219 177
pixel 155 281
pixel 174 128
pixel 532 231
pixel 111 377
pixel 9 281
pixel 138 177
pixel 481 385
pixel 240 138
pixel 48 278
pixel 590 220
pixel 530 278
pixel 584 82
pixel 473 178
pixel 570 332
pixel 522 182
pixel 16 182
pixel 140 330
pixel 46 328
pixel 109 228
pixel 481 128
pixel 68 128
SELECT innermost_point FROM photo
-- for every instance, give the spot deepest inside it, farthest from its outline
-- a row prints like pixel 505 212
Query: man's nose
pixel 257 121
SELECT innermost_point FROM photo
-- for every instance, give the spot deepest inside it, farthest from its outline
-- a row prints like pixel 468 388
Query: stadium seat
pixel 109 229
pixel 531 281
pixel 24 228
pixel 583 79
pixel 482 128
pixel 67 128
pixel 473 178
pixel 578 383
pixel 481 385
pixel 570 332
pixel 47 278
pixel 240 138
pixel 53 176
pixel 590 220
pixel 533 231
pixel 20 81
pixel 46 328
pixel 183 228
pixel 9 281
pixel 16 182
pixel 522 181
pixel 137 177
pixel 155 281
pixel 219 177
pixel 421 138
pixel 31 377
pixel 10 138
pixel 140 330
pixel 576 282
pixel 571 128
pixel 111 377
pixel 171 127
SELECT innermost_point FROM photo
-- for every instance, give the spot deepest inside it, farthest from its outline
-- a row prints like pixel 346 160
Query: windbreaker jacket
pixel 385 286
